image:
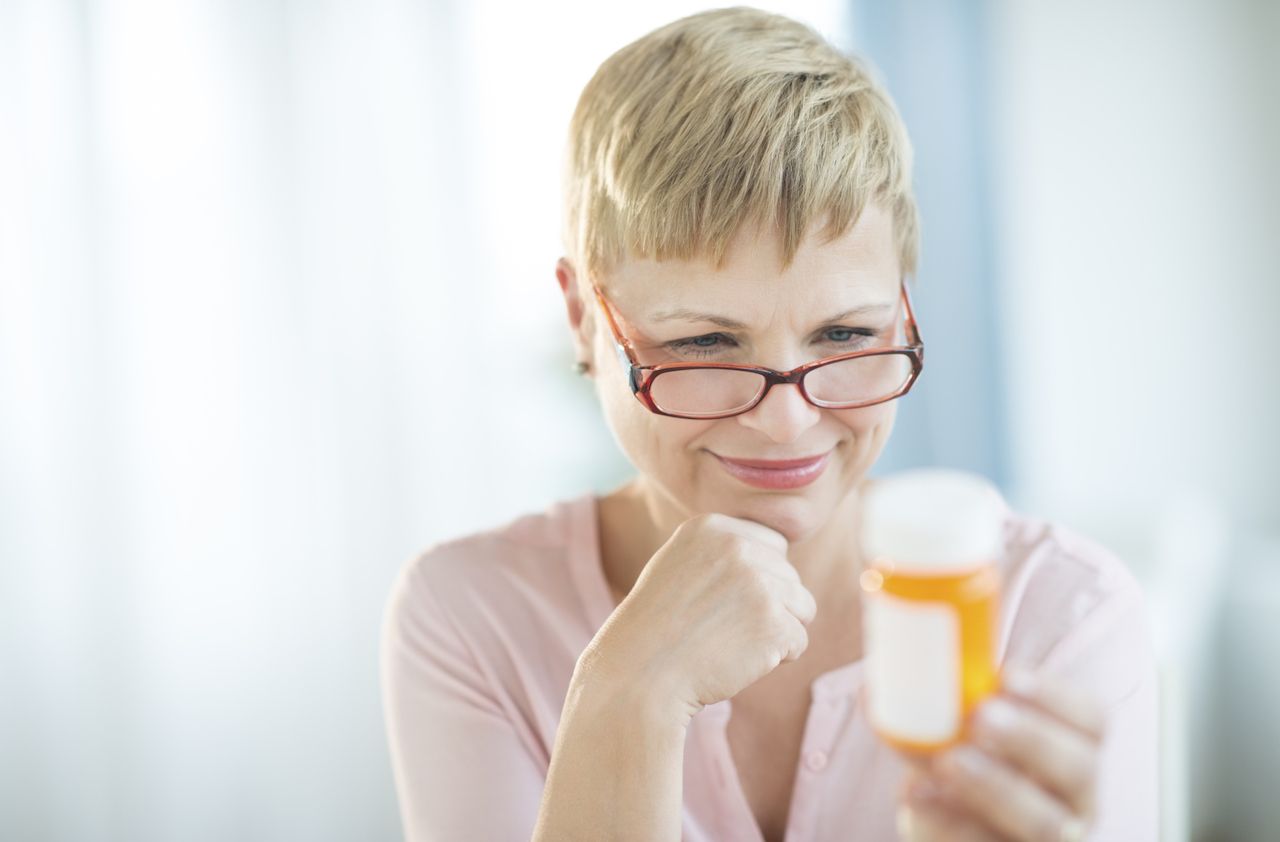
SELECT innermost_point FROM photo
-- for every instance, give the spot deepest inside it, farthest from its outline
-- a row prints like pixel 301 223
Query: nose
pixel 783 415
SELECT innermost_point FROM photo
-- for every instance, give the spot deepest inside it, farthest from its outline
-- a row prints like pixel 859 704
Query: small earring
pixel 581 367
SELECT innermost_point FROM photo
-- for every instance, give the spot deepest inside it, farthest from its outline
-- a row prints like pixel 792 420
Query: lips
pixel 776 474
pixel 775 464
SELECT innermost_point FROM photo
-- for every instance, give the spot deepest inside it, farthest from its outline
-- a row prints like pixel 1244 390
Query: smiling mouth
pixel 774 464
pixel 797 473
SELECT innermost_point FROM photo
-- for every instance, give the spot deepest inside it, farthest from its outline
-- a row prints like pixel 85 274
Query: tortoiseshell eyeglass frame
pixel 641 377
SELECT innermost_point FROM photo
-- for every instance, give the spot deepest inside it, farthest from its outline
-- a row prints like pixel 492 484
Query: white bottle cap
pixel 933 519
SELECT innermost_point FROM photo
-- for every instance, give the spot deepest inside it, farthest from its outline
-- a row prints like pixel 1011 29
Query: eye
pixel 701 346
pixel 711 344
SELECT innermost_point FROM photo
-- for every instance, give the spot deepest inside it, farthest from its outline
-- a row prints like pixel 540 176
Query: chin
pixel 796 514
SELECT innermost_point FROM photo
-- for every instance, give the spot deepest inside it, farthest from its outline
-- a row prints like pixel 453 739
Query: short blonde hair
pixel 723 118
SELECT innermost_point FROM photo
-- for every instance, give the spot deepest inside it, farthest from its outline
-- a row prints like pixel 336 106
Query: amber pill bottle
pixel 931 541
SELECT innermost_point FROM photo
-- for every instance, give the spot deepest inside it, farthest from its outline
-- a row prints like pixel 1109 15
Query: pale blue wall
pixel 929 54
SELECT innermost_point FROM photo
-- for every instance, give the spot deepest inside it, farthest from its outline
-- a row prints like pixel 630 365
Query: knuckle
pixel 777 621
pixel 738 544
pixel 1080 777
pixel 784 568
pixel 1046 828
pixel 714 520
pixel 704 522
pixel 758 595
pixel 761 582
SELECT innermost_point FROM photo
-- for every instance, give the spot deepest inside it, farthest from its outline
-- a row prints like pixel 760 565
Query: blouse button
pixel 816 761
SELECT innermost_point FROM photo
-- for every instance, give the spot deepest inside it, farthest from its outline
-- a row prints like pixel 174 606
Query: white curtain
pixel 277 309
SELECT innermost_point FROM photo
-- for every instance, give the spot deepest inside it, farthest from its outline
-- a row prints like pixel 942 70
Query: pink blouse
pixel 481 634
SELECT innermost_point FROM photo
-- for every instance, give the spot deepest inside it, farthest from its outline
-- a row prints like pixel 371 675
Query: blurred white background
pixel 277 310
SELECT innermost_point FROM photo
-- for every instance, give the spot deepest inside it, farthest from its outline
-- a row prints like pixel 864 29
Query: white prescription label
pixel 913 670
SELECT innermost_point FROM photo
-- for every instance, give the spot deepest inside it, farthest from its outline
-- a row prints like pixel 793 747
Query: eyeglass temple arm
pixel 913 329
pixel 626 354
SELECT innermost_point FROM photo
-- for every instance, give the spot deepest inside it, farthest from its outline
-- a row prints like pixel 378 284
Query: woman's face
pixel 788 322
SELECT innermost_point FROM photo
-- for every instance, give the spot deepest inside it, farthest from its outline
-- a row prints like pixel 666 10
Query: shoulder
pixel 1056 575
pixel 1061 567
pixel 493 619
pixel 1072 606
pixel 496 573
pixel 496 551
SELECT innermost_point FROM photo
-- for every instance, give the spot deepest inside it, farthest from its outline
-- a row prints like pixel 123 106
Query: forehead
pixel 861 266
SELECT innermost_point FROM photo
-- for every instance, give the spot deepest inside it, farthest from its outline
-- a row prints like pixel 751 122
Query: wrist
pixel 597 688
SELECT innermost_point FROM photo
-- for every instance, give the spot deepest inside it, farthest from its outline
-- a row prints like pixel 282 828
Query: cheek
pixel 648 439
pixel 868 420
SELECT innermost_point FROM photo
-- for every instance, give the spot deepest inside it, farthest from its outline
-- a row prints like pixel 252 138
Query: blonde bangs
pixel 730 118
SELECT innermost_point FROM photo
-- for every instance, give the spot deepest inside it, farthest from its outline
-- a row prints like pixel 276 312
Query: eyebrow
pixel 684 314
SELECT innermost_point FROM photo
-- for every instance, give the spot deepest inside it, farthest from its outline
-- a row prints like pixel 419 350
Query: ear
pixel 575 307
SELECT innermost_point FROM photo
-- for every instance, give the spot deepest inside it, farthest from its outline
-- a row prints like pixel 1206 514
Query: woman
pixel 681 658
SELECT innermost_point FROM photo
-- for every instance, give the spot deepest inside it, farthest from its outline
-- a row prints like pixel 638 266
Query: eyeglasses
pixel 720 390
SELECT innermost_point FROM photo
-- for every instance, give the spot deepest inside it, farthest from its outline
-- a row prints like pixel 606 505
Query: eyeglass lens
pixel 712 391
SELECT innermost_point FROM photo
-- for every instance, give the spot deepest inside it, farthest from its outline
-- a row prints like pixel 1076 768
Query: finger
pixel 800 602
pixel 915 779
pixel 780 567
pixel 999 796
pixel 797 639
pixel 1058 697
pixel 759 532
pixel 1060 757
pixel 935 822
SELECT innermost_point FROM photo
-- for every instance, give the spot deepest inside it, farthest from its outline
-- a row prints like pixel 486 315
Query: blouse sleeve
pixel 1110 654
pixel 460 771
